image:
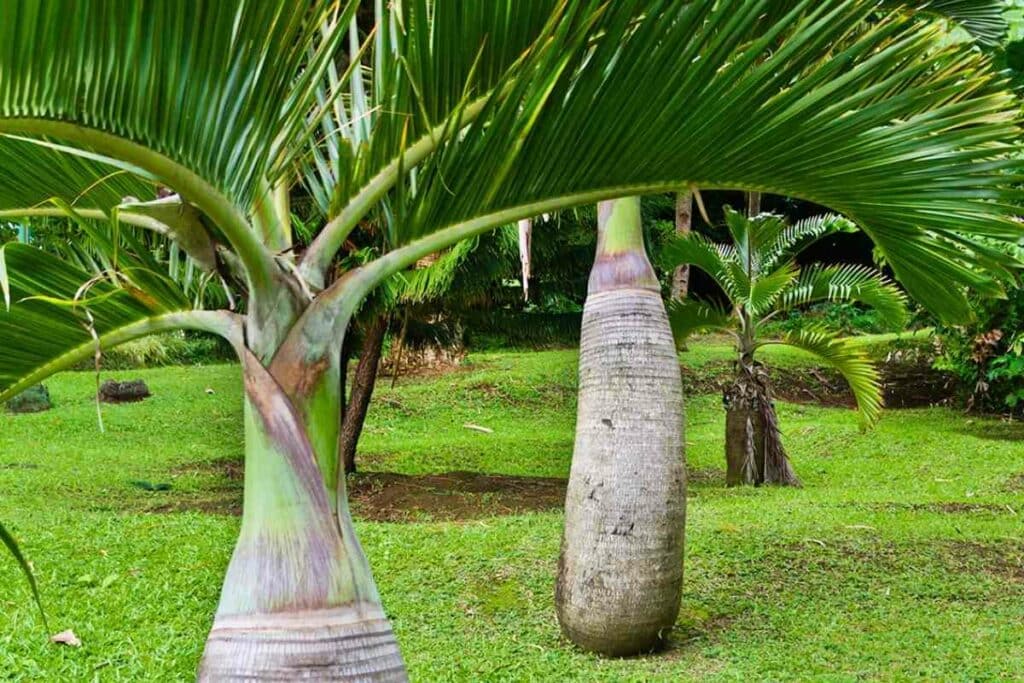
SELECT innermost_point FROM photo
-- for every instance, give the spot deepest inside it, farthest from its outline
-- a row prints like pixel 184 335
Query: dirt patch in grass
pixel 388 497
pixel 1000 560
pixel 946 508
pixel 905 385
pixel 385 496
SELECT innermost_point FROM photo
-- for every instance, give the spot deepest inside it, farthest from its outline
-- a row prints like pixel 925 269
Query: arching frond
pixel 690 316
pixel 54 314
pixel 766 289
pixel 848 284
pixel 881 121
pixel 851 361
pixel 796 237
pixel 698 251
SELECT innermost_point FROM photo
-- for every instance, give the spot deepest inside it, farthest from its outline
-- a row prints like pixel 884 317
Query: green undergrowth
pixel 900 558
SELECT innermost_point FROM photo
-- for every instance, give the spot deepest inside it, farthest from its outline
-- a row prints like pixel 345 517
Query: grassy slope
pixel 861 574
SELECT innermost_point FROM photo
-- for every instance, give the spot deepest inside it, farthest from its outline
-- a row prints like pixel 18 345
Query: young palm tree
pixel 760 279
pixel 450 119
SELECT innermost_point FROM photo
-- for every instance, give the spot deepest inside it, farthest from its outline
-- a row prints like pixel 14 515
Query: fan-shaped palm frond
pixel 875 127
pixel 850 360
pixel 847 283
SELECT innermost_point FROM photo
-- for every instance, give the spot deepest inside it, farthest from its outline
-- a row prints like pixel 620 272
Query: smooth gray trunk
pixel 620 572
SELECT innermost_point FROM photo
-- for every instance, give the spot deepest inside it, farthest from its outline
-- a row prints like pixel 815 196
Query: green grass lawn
pixel 900 558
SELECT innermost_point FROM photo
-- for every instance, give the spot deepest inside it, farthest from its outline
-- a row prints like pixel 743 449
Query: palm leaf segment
pixel 852 362
pixel 52 321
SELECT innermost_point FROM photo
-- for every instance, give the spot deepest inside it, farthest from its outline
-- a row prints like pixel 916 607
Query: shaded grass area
pixel 902 556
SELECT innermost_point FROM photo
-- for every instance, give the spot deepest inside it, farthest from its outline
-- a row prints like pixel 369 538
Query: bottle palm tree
pixel 759 278
pixel 448 120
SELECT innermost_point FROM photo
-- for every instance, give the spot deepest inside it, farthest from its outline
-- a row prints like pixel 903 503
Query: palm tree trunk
pixel 621 566
pixel 362 390
pixel 299 602
pixel 684 223
pixel 754 452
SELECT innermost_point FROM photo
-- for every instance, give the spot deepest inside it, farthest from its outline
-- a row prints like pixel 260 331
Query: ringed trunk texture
pixel 299 602
pixel 620 572
pixel 754 453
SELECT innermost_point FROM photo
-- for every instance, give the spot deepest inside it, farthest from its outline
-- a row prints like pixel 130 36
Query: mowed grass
pixel 902 557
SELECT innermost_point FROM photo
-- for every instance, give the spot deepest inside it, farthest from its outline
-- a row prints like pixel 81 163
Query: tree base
pixel 353 643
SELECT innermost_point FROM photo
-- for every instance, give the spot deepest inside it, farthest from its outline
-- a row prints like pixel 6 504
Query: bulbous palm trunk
pixel 754 452
pixel 620 572
pixel 299 602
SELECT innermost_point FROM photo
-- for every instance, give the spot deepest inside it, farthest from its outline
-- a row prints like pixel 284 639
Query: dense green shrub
pixel 987 356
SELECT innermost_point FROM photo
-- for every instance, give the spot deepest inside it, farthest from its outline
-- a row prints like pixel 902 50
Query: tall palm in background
pixel 450 120
pixel 759 277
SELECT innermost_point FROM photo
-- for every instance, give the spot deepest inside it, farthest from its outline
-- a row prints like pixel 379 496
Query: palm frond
pixel 984 19
pixel 204 77
pixel 56 315
pixel 848 284
pixel 880 121
pixel 766 289
pixel 690 316
pixel 796 237
pixel 12 547
pixel 698 251
pixel 851 361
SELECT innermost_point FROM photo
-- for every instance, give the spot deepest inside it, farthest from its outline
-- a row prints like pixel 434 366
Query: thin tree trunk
pixel 754 452
pixel 362 390
pixel 398 351
pixel 753 204
pixel 621 566
pixel 299 601
pixel 684 223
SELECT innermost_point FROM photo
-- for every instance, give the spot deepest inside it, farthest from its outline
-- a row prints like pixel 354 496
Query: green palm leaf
pixel 766 289
pixel 886 125
pixel 851 361
pixel 847 284
pixel 690 316
pixel 797 236
pixel 696 250
pixel 12 546
pixel 50 322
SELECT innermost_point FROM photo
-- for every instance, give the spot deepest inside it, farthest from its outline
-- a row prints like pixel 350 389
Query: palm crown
pixel 760 278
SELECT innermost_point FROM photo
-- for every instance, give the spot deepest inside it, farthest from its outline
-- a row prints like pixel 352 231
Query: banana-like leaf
pixel 847 284
pixel 55 314
pixel 851 361
pixel 12 546
pixel 690 316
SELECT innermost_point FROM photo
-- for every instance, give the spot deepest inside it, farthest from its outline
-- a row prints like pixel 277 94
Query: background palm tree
pixel 759 278
pixel 452 119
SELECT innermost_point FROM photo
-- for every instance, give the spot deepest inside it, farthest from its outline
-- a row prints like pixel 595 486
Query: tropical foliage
pixel 759 279
pixel 444 121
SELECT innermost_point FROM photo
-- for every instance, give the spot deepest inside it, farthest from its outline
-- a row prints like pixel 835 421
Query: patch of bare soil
pixel 388 497
pixel 905 384
pixel 1000 560
pixel 947 508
